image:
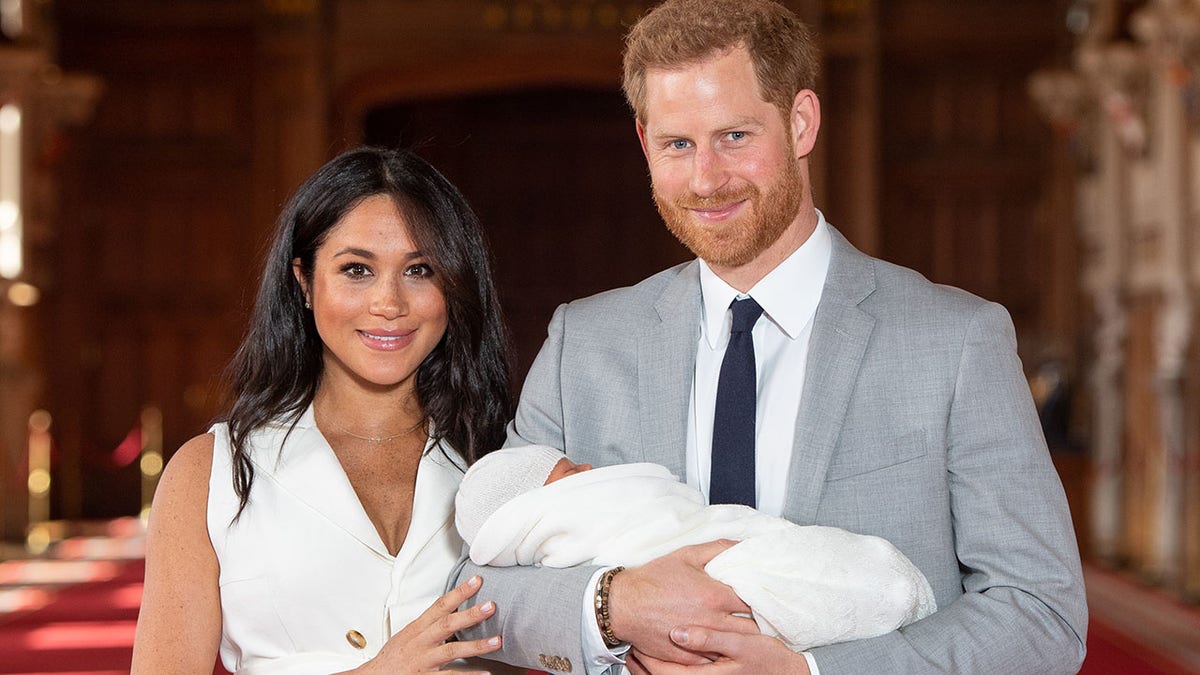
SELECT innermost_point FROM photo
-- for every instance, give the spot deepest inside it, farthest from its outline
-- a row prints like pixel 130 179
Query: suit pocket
pixel 860 457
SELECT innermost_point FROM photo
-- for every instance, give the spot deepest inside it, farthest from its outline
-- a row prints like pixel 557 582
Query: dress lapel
pixel 433 501
pixel 308 470
pixel 666 366
pixel 839 339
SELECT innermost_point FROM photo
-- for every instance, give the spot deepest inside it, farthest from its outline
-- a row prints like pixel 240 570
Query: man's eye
pixel 679 145
pixel 737 135
pixel 420 270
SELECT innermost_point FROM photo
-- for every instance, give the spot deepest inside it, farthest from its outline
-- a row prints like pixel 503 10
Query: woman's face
pixel 378 307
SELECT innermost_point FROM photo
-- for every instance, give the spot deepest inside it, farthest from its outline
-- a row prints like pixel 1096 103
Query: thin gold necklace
pixel 377 440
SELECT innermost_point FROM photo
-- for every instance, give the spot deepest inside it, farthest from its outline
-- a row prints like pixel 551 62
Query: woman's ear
pixel 298 272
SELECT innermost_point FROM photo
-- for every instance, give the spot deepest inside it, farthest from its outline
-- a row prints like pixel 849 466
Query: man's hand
pixel 736 654
pixel 648 601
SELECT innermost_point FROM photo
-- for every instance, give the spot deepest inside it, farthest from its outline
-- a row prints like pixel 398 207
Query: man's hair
pixel 679 33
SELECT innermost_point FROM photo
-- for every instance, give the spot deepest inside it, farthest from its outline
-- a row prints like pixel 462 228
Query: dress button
pixel 356 639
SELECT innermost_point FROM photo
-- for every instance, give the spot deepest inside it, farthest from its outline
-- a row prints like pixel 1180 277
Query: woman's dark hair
pixel 462 386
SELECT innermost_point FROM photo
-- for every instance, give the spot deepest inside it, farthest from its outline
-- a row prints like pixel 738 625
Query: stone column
pixel 1170 29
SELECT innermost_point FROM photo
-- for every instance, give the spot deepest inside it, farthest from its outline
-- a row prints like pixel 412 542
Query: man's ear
pixel 298 272
pixel 805 121
pixel 641 132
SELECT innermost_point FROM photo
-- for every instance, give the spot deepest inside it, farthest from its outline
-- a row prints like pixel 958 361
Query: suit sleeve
pixel 1023 608
pixel 538 609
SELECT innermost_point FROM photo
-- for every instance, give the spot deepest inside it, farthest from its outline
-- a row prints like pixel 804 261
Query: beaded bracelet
pixel 603 619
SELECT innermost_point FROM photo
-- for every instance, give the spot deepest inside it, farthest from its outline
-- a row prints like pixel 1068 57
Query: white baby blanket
pixel 806 585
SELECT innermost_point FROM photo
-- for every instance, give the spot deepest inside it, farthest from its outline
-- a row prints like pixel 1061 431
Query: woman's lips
pixel 386 341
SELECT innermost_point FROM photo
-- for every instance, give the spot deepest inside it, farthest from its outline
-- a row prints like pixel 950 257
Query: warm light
pixel 10 119
pixel 10 215
pixel 11 22
pixel 152 464
pixel 38 539
pixel 39 482
pixel 22 294
pixel 40 420
pixel 11 254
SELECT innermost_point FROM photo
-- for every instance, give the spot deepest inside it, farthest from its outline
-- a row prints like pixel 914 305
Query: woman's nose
pixel 389 299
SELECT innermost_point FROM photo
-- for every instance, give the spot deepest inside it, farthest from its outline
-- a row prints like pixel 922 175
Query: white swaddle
pixel 806 585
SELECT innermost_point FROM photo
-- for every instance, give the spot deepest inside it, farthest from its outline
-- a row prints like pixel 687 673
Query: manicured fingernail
pixel 679 635
pixel 474 581
pixel 494 641
pixel 487 607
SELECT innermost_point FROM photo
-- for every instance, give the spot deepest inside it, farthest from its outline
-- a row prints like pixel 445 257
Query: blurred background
pixel 1044 154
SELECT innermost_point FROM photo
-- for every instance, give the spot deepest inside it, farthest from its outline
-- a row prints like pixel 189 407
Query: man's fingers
pixel 654 666
pixel 732 623
pixel 700 639
pixel 700 554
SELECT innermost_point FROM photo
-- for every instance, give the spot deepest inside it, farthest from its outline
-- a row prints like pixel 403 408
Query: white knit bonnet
pixel 495 479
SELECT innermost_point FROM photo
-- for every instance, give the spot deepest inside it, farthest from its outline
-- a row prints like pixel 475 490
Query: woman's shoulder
pixel 191 464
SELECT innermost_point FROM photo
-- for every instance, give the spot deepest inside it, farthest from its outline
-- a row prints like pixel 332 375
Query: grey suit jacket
pixel 916 425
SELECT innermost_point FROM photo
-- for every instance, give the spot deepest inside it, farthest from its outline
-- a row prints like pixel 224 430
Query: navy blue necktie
pixel 731 479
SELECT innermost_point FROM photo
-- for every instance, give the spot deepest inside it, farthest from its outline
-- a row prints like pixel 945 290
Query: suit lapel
pixel 841 331
pixel 666 366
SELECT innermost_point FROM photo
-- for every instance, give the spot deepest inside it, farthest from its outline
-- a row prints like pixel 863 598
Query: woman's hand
pixel 421 646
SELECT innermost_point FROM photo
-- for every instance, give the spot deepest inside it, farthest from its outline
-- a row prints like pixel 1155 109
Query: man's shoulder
pixel 638 298
pixel 909 292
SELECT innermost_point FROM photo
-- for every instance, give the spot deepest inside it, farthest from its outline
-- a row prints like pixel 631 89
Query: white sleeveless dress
pixel 307 585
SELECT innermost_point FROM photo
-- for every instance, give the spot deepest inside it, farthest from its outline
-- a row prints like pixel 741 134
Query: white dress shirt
pixel 789 295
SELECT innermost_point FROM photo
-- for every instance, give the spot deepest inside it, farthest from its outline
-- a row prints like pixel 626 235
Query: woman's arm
pixel 179 626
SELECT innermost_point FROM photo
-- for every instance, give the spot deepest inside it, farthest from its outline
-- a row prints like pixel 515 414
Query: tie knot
pixel 745 314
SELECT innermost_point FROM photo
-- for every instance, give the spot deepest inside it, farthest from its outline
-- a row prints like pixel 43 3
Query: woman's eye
pixel 420 270
pixel 355 270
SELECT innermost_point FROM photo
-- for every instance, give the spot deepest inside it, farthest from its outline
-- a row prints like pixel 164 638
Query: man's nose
pixel 708 172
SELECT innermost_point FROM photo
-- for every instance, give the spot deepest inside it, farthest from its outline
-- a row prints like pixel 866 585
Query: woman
pixel 312 530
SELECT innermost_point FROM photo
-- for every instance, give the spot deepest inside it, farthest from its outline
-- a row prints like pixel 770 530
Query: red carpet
pixel 76 613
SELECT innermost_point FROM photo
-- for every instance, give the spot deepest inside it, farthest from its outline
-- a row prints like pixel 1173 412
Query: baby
pixel 806 585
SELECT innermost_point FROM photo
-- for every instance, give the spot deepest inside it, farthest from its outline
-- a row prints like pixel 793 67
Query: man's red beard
pixel 735 242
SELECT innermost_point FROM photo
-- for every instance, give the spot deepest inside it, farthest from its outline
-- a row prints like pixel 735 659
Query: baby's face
pixel 565 467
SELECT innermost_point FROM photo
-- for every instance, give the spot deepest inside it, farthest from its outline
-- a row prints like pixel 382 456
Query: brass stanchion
pixel 37 534
pixel 151 460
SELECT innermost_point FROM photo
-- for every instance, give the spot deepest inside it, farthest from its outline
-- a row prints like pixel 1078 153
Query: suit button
pixel 555 663
pixel 356 639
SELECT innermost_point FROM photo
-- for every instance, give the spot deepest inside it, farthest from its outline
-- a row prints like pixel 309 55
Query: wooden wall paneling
pixel 559 182
pixel 292 104
pixel 964 155
pixel 159 244
pixel 846 172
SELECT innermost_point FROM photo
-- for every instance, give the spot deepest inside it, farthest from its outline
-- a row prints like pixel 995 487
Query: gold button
pixel 356 639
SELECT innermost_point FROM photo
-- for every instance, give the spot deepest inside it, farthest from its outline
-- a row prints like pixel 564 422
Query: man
pixel 879 402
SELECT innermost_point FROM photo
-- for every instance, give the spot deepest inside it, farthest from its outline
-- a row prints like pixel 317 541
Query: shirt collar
pixel 788 294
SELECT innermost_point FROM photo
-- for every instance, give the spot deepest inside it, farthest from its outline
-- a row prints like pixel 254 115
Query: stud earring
pixel 307 304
